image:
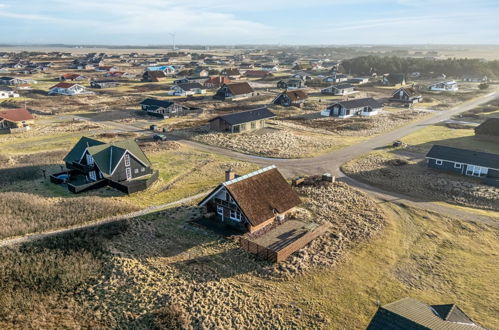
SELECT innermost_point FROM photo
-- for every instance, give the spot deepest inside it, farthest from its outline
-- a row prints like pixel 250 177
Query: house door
pixel 92 175
pixel 128 172
pixel 473 170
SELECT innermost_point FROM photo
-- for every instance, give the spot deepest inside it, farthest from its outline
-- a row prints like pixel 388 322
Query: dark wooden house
pixel 290 84
pixel 164 109
pixel 340 89
pixel 412 314
pixel 290 98
pixel 241 121
pixel 234 91
pixel 466 162
pixel 357 107
pixel 253 201
pixel 406 95
pixel 104 83
pixel 488 130
pixel 93 164
pixel 393 79
pixel 154 76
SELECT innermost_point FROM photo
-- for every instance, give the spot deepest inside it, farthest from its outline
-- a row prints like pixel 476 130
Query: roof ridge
pixel 249 175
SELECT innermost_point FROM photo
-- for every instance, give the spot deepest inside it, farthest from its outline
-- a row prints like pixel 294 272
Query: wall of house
pixel 446 166
pixel 137 168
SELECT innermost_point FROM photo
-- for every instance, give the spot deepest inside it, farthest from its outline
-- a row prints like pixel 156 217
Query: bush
pixel 483 86
pixel 170 317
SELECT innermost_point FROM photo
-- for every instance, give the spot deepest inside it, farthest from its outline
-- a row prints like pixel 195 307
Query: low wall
pixel 282 254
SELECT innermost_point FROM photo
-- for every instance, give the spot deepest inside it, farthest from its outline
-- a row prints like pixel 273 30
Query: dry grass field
pixel 410 176
pixel 160 269
pixel 30 203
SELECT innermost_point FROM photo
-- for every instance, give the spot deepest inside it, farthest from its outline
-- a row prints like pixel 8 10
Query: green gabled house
pixel 93 164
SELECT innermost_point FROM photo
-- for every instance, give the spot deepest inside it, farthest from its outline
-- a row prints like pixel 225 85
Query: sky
pixel 229 22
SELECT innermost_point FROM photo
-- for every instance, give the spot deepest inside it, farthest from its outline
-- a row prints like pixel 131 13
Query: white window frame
pixel 92 175
pixel 127 160
pixel 458 165
pixel 235 215
pixel 90 159
pixel 220 210
pixel 439 162
pixel 128 172
pixel 136 171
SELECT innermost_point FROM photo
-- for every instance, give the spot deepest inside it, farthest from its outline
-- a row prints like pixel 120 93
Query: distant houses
pixel 234 91
pixel 290 98
pixel 393 79
pixel 336 78
pixel 251 202
pixel 475 78
pixel 409 313
pixel 406 95
pixel 356 107
pixel 13 81
pixel 293 83
pixel 7 92
pixel 187 89
pixel 340 89
pixel 64 88
pixel 94 164
pixel 243 121
pixel 15 120
pixel 465 162
pixel 216 82
pixel 72 77
pixel 257 74
pixel 104 83
pixel 445 86
pixel 165 109
pixel 154 76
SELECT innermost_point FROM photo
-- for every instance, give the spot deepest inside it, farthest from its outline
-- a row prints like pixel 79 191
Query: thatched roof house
pixel 252 201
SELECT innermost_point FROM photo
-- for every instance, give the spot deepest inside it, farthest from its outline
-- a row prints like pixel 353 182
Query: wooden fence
pixel 286 251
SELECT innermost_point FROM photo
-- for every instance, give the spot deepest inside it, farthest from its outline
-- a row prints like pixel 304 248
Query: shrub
pixel 170 317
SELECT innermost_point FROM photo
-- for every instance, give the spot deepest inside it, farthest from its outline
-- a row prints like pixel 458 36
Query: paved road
pixel 332 161
pixel 329 162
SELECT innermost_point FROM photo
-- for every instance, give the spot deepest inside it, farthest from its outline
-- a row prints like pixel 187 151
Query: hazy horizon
pixel 223 22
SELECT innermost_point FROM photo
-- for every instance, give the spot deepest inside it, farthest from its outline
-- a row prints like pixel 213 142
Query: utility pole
pixel 173 39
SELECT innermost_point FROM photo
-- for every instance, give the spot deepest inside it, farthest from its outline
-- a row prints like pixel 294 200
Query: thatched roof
pixel 490 127
pixel 260 196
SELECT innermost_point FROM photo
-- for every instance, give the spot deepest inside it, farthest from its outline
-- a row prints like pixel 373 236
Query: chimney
pixel 230 174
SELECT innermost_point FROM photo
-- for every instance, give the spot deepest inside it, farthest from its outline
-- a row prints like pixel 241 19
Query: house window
pixel 235 215
pixel 143 169
pixel 127 160
pixel 128 172
pixel 220 210
pixel 90 159
pixel 457 165
pixel 253 125
pixel 136 170
pixel 439 162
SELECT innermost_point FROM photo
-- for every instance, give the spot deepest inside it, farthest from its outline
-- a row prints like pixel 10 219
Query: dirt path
pixel 150 209
pixel 329 162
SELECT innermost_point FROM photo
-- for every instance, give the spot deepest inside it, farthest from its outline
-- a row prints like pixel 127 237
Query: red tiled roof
pixel 16 115
pixel 70 75
pixel 256 73
pixel 63 85
pixel 219 80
